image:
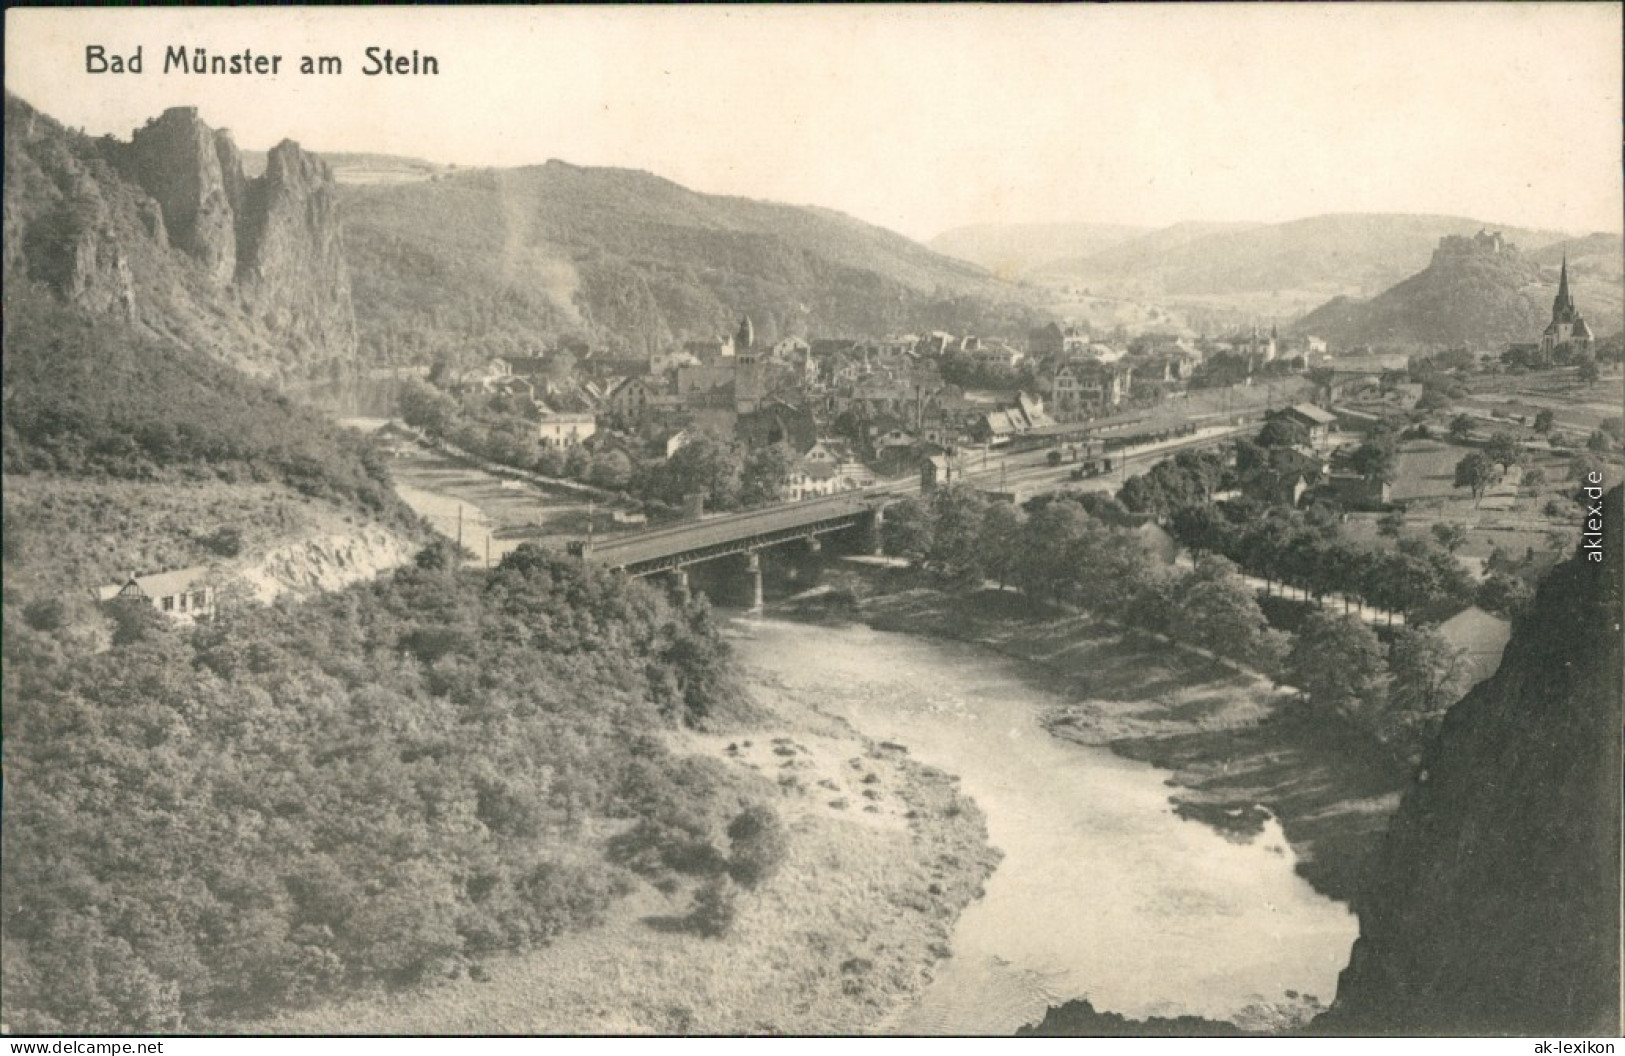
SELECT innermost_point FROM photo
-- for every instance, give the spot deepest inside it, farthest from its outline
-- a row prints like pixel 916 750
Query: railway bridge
pixel 674 548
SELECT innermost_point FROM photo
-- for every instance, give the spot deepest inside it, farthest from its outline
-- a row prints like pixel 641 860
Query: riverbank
pixel 884 854
pixel 1238 752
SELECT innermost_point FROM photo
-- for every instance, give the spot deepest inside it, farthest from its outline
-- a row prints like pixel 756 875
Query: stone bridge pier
pixel 753 565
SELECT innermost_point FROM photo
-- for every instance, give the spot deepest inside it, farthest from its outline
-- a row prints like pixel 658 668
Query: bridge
pixel 668 549
pixel 673 548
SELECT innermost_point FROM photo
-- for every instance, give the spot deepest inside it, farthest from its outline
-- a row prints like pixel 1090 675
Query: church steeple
pixel 1563 305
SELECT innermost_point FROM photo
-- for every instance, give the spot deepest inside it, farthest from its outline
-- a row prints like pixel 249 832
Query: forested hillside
pixel 1473 299
pixel 490 261
pixel 369 789
pixel 95 398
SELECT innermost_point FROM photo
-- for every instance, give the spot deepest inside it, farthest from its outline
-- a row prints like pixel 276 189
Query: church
pixel 1567 335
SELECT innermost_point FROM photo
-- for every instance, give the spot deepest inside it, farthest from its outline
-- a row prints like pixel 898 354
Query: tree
pixel 1503 449
pixel 1598 442
pixel 1504 595
pixel 1338 661
pixel 766 473
pixel 1588 371
pixel 707 465
pixel 1000 540
pixel 1391 524
pixel 1429 675
pixel 1533 478
pixel 426 408
pixel 611 469
pixel 1544 420
pixel 907 529
pixel 1044 565
pixel 1278 432
pixel 1374 460
pixel 1476 471
pixel 715 908
pixel 1584 465
pixel 1461 427
pixel 1450 536
pixel 956 526
pixel 1214 608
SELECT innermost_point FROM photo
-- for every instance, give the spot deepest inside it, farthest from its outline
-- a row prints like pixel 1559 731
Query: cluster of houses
pixel 848 403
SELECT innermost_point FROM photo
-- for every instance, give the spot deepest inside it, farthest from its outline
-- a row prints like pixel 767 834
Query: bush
pixel 47 614
pixel 715 908
pixel 227 541
pixel 760 845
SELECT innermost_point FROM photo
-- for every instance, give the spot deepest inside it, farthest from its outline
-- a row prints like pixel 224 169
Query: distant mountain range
pixel 480 261
pixel 1014 251
pixel 1356 254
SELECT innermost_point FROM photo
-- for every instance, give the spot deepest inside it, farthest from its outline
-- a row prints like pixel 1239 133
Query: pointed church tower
pixel 1563 304
pixel 1567 332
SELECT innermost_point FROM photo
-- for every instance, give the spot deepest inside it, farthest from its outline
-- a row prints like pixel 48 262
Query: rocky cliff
pixel 166 232
pixel 1495 905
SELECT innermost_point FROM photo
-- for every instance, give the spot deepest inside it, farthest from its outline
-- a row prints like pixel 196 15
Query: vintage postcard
pixel 1097 520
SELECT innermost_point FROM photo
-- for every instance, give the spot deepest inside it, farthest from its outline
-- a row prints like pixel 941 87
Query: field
pixel 489 508
pixel 1510 515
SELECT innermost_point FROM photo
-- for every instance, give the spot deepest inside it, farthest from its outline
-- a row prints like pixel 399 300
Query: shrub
pixel 760 845
pixel 227 541
pixel 715 908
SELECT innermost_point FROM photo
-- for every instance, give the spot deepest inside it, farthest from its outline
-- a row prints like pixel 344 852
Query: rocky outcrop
pixel 290 265
pixel 167 232
pixel 323 563
pixel 175 159
pixel 1495 905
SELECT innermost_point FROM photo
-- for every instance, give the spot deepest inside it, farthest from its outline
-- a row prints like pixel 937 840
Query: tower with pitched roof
pixel 1567 332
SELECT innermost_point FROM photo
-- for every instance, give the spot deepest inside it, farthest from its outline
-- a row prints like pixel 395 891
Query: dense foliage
pixel 1058 551
pixel 1304 548
pixel 94 398
pixel 370 788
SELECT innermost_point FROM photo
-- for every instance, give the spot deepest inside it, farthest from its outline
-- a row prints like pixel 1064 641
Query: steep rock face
pixel 1495 906
pixel 175 159
pixel 167 232
pixel 290 265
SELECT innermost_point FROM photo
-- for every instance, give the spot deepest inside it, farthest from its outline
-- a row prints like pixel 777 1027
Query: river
pixel 1103 891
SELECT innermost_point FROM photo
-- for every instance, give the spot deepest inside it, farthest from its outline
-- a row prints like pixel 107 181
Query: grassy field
pixel 884 853
pixel 1510 515
pixel 509 512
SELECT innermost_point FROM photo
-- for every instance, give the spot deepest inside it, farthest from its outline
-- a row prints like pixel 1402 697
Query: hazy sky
pixel 921 119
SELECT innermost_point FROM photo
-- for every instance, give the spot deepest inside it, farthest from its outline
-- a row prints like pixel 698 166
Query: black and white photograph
pixel 873 521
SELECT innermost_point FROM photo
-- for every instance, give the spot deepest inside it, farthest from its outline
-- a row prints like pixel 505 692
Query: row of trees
pixel 1058 551
pixel 376 786
pixel 1303 548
